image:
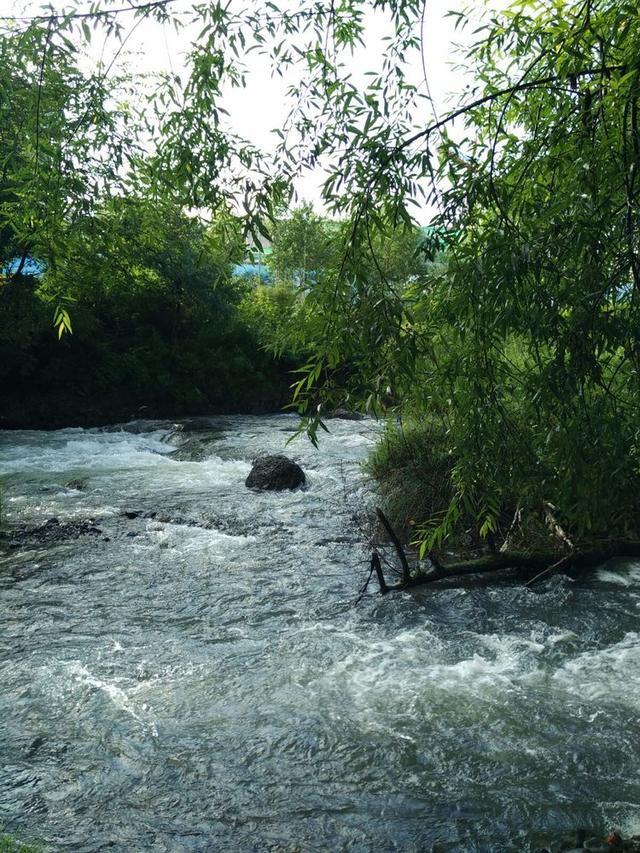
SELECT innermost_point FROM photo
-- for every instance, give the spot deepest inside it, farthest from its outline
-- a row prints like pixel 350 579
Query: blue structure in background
pixel 249 270
pixel 31 267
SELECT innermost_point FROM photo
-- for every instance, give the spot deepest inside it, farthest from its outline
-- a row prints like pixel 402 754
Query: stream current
pixel 195 677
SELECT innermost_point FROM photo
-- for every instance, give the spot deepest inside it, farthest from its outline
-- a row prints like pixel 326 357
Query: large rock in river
pixel 275 472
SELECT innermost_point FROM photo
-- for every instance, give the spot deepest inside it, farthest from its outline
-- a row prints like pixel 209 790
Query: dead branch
pixel 554 525
pixel 534 566
pixel 406 569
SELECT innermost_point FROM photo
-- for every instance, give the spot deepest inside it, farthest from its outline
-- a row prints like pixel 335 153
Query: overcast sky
pixel 260 107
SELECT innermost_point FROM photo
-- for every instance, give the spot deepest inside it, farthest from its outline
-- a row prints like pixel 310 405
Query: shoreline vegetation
pixel 12 844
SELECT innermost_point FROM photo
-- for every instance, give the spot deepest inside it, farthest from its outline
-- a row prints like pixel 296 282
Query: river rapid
pixel 195 677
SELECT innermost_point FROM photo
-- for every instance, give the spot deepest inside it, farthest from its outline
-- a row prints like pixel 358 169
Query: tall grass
pixel 413 468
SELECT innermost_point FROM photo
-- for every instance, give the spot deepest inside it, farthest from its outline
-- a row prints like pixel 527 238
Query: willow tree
pixel 522 348
pixel 525 347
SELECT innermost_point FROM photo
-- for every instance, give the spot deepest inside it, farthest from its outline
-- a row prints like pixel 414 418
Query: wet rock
pixel 194 441
pixel 51 532
pixel 275 473
pixel 344 415
pixel 573 842
pixel 612 843
pixel 35 745
pixel 136 426
pixel 202 424
pixel 337 540
pixel 77 485
pixel 195 448
pixel 596 845
pixel 230 524
pixel 131 513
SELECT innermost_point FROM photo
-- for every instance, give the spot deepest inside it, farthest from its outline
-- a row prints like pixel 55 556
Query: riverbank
pixel 52 409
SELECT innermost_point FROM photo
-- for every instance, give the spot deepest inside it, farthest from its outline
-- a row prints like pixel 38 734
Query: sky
pixel 260 107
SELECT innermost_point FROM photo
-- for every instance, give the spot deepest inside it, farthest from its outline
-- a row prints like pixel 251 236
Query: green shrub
pixel 413 469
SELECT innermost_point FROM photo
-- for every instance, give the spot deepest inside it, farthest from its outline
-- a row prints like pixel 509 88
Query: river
pixel 195 677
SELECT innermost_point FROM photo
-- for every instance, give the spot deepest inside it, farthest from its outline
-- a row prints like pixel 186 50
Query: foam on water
pixel 195 678
pixel 65 450
pixel 623 572
pixel 610 674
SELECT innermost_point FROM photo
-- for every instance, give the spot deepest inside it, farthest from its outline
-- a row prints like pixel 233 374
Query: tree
pixel 521 348
pixel 525 348
pixel 303 247
pixel 65 136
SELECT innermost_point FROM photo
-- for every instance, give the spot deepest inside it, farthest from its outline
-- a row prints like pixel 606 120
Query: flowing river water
pixel 195 677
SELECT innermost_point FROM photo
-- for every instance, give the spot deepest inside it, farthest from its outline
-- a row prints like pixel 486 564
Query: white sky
pixel 257 109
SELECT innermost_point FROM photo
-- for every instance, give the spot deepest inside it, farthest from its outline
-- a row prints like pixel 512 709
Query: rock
pixel 51 532
pixel 136 427
pixel 77 485
pixel 276 473
pixel 337 540
pixel 202 424
pixel 131 513
pixel 344 415
pixel 194 448
pixel 596 845
pixel 35 745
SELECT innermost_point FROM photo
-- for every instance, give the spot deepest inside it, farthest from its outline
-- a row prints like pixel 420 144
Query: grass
pixel 9 844
pixel 412 466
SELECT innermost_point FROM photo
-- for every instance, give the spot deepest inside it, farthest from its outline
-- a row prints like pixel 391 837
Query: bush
pixel 413 470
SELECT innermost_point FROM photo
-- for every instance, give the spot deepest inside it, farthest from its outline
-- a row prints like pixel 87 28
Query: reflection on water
pixel 195 678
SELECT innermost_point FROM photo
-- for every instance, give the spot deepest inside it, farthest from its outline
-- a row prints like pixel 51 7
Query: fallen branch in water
pixel 406 569
pixel 533 567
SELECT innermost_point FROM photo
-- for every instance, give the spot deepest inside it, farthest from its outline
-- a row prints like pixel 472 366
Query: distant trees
pixel 308 258
pixel 305 246
pixel 156 325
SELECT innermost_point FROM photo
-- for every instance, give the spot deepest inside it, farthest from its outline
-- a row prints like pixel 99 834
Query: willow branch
pixel 500 93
